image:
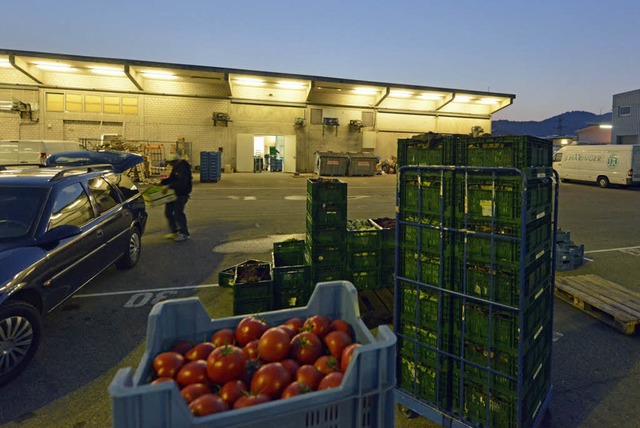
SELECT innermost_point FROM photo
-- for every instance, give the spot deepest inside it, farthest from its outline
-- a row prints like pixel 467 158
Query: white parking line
pixel 613 249
pixel 152 290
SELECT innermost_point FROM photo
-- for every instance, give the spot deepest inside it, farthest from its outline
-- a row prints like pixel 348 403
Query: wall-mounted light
pixel 107 71
pixel 462 99
pixel 4 62
pixel 400 94
pixel 430 96
pixel 365 91
pixel 163 75
pixel 54 66
pixel 249 82
pixel 488 101
pixel 606 126
pixel 291 85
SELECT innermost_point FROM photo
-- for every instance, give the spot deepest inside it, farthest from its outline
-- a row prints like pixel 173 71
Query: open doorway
pixel 268 152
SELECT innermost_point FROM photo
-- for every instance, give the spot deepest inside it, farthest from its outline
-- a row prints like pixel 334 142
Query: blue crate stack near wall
pixel 476 220
pixel 210 166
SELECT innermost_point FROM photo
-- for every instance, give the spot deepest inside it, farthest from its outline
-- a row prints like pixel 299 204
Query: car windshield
pixel 19 209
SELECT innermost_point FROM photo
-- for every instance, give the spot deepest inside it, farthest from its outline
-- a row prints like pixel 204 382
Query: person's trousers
pixel 174 211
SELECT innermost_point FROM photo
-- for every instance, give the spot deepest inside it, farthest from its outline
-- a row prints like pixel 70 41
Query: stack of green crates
pixel 475 276
pixel 387 228
pixel 325 244
pixel 364 254
pixel 252 286
pixel 291 281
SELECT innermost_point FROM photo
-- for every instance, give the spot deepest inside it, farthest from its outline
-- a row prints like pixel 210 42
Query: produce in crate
pixel 256 363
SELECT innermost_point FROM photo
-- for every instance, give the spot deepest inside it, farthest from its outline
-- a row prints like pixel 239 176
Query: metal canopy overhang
pixel 49 70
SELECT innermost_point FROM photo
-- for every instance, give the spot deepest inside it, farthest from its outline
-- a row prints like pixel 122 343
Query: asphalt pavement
pixel 595 369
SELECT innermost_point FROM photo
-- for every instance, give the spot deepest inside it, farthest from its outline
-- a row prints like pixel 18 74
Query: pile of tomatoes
pixel 256 363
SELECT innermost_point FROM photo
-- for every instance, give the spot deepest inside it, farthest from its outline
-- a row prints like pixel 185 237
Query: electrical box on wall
pixel 331 121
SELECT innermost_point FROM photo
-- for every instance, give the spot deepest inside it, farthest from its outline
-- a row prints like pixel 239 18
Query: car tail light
pixel 630 173
pixel 43 156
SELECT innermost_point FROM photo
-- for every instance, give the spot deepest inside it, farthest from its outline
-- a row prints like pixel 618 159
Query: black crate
pixel 325 234
pixel 517 151
pixel 326 190
pixel 363 236
pixel 291 286
pixel 427 149
pixel 288 253
pixel 326 213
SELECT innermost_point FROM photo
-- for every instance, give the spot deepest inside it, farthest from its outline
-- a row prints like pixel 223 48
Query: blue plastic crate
pixel 364 399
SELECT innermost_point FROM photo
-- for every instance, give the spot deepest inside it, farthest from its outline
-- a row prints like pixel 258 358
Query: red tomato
pixel 295 388
pixel 289 331
pixel 162 379
pixel 250 350
pixel 200 352
pixel 271 379
pixel 225 363
pixel 251 400
pixel 305 347
pixel 182 346
pixel 207 404
pixel 341 325
pixel 332 380
pixel 318 325
pixel 193 372
pixel 274 345
pixel 336 341
pixel 249 328
pixel 232 390
pixel 222 337
pixel 347 354
pixel 291 365
pixel 167 364
pixel 327 364
pixel 294 324
pixel 193 391
pixel 309 375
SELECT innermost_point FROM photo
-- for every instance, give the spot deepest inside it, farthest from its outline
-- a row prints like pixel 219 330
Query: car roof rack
pixel 8 166
pixel 80 170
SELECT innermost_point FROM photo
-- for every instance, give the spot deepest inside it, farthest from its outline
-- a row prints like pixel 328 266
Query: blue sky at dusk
pixel 555 56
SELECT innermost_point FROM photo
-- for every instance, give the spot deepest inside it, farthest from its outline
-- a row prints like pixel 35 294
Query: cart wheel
pixel 407 412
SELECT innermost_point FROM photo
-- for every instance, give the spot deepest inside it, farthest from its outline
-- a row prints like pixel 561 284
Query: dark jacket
pixel 180 179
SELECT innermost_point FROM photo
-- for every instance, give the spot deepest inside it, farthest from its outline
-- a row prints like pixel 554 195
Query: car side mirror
pixel 58 233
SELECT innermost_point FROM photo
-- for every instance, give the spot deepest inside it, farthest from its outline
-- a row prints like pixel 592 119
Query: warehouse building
pixel 242 113
pixel 625 118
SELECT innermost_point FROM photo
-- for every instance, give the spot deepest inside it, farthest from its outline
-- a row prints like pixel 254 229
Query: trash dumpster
pixel 331 163
pixel 362 163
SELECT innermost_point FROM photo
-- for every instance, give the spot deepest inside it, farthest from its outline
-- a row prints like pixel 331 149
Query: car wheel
pixel 132 253
pixel 20 334
pixel 603 181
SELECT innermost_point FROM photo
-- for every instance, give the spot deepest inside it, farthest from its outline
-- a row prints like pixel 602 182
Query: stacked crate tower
pixel 474 278
pixel 326 232
pixel 210 167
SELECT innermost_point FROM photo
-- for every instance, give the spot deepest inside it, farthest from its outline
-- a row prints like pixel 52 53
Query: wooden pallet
pixel 376 306
pixel 605 300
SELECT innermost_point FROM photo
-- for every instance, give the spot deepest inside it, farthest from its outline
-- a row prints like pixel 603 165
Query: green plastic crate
pixel 387 228
pixel 289 252
pixel 227 277
pixel 365 279
pixel 363 236
pixel 494 242
pixel 252 297
pixel 364 260
pixel 424 307
pixel 325 255
pixel 476 400
pixel 501 284
pixel 322 234
pixel 325 213
pixel 428 195
pixel 482 197
pixel 291 286
pixel 327 273
pixel 426 268
pixel 426 149
pixel 430 238
pixel 520 151
pixel 326 190
pixel 422 381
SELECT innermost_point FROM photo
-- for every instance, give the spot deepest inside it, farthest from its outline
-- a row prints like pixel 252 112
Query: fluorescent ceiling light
pixel 250 82
pixel 430 96
pixel 489 101
pixel 365 91
pixel 291 85
pixel 158 75
pixel 106 71
pixel 54 66
pixel 462 98
pixel 400 94
pixel 4 62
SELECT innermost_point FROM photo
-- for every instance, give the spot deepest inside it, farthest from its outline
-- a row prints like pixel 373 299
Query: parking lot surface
pixel 595 371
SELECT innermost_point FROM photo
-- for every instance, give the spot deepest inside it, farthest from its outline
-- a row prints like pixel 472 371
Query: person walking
pixel 180 180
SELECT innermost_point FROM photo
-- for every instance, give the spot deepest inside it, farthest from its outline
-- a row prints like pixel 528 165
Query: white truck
pixel 603 164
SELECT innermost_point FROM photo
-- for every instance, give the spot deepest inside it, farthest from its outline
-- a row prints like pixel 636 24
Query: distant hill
pixel 562 124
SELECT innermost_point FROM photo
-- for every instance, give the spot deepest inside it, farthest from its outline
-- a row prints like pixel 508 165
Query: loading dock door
pixel 290 150
pixel 244 153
